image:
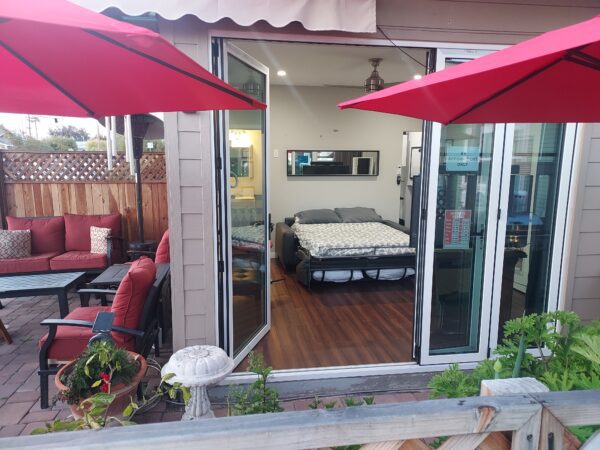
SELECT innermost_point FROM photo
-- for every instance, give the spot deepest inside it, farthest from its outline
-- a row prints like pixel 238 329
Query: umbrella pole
pixel 138 147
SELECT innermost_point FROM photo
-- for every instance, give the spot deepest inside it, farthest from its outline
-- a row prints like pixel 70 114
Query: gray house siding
pixel 583 280
pixel 189 169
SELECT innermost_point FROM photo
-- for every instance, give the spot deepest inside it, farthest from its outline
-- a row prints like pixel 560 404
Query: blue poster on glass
pixel 462 159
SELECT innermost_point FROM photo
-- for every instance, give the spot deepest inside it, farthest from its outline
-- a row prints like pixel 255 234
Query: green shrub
pixel 101 365
pixel 573 362
pixel 256 398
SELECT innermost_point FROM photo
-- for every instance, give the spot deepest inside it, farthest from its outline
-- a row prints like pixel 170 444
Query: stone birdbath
pixel 197 367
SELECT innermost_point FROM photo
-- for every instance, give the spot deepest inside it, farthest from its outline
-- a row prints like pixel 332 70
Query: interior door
pixel 245 202
pixel 462 195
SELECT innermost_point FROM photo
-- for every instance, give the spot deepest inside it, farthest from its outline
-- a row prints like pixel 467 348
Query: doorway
pixel 329 321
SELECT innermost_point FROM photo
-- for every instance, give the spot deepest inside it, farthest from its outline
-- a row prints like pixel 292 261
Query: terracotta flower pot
pixel 122 392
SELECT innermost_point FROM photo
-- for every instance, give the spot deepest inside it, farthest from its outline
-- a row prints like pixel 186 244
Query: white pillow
pixel 15 244
pixel 98 236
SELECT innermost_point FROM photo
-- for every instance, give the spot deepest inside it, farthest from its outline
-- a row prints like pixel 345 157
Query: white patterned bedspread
pixel 250 236
pixel 352 239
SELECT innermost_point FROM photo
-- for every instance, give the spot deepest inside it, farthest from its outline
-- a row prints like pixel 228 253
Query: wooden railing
pixel 528 417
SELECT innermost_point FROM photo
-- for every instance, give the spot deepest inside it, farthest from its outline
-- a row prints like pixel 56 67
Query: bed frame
pixel 292 256
pixel 312 264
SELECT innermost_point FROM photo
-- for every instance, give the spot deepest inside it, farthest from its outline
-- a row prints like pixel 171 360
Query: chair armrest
pixel 86 324
pixel 97 291
pixel 285 245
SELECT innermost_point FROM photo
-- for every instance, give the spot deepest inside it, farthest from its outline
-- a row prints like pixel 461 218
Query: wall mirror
pixel 303 163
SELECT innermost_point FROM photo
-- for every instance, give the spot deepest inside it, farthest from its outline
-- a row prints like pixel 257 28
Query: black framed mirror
pixel 309 163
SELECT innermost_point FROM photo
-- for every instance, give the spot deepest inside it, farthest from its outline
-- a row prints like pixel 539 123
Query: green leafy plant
pixel 572 359
pixel 101 365
pixel 94 417
pixel 257 398
pixel 165 387
pixel 95 409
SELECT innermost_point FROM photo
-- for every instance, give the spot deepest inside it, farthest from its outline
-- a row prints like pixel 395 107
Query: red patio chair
pixel 161 256
pixel 135 328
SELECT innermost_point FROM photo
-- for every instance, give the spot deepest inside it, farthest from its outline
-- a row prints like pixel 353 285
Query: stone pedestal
pixel 197 367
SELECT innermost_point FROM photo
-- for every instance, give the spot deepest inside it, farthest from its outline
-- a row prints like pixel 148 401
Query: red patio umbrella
pixel 554 77
pixel 58 58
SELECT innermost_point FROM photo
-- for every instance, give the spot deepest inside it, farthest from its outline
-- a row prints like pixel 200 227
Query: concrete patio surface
pixel 20 410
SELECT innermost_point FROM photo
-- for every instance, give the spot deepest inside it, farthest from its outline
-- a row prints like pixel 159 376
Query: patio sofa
pixel 63 243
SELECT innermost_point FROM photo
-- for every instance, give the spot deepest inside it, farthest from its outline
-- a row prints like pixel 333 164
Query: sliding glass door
pixel 496 208
pixel 245 302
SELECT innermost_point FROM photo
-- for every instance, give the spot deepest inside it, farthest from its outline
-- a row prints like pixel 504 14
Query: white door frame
pixel 230 49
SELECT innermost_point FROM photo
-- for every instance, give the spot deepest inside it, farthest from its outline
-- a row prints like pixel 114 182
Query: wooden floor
pixel 361 322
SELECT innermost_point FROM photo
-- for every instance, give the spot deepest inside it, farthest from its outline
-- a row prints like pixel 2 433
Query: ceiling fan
pixel 373 83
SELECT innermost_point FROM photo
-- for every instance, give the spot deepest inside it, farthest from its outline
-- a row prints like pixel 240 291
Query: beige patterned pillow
pixel 15 244
pixel 98 240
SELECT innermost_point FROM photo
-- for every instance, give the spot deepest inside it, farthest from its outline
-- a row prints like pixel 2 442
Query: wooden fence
pixel 51 184
pixel 524 416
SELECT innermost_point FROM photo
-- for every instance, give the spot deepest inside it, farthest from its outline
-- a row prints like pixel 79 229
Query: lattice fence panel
pixel 78 167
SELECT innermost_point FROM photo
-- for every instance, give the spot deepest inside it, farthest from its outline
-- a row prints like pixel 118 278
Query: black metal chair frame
pixel 145 336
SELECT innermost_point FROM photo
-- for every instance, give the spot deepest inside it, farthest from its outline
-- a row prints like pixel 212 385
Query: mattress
pixel 331 240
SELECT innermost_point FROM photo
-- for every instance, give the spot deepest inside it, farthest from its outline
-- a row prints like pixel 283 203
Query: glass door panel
pixel 462 203
pixel 464 177
pixel 245 166
pixel 530 232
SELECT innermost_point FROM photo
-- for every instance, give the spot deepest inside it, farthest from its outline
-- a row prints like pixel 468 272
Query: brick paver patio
pixel 20 411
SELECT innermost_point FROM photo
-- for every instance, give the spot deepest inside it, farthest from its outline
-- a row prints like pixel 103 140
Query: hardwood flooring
pixel 360 322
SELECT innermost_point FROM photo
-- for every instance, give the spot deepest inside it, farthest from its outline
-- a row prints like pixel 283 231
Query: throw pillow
pixel 358 214
pixel 317 216
pixel 15 244
pixel 98 240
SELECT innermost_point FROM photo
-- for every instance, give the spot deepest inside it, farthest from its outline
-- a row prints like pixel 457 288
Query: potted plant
pixel 101 368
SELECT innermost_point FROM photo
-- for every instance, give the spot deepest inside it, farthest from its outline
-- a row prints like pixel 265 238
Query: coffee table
pixel 41 284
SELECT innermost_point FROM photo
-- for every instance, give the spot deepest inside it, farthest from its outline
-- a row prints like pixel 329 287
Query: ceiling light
pixel 281 73
pixel 374 82
pixel 418 77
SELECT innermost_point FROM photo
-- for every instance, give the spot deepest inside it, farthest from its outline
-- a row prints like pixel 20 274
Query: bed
pixel 353 244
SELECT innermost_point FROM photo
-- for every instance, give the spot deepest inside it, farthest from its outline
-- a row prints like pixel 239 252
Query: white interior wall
pixel 307 118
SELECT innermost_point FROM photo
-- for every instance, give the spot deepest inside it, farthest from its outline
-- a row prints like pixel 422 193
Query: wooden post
pixel 528 436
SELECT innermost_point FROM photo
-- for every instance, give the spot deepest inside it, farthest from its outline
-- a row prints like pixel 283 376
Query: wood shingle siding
pixel 583 280
pixel 187 138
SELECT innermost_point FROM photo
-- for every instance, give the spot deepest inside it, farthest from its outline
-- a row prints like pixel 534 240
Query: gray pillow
pixel 358 215
pixel 317 216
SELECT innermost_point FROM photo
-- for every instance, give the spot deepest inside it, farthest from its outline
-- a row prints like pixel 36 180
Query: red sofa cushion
pixel 69 342
pixel 33 263
pixel 131 295
pixel 162 251
pixel 77 260
pixel 47 233
pixel 77 229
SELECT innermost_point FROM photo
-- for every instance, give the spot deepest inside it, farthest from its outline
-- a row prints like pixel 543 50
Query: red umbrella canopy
pixel 554 77
pixel 58 58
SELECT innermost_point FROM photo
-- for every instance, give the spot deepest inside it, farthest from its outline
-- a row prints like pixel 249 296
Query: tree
pixel 92 144
pixel 60 143
pixel 15 138
pixel 70 131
